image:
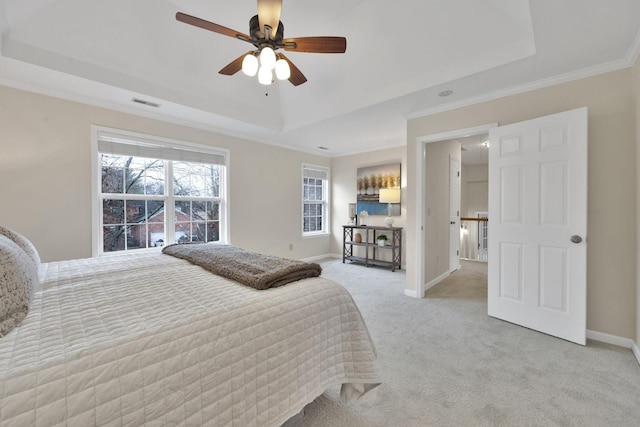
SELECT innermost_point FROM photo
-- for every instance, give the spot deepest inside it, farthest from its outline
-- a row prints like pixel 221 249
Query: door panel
pixel 553 197
pixel 511 269
pixel 538 187
pixel 511 197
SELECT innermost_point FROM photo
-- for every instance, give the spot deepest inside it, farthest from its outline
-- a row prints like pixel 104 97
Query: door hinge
pixel 457 252
pixel 458 173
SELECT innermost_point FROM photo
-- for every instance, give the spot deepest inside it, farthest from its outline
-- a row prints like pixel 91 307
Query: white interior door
pixel 538 207
pixel 454 214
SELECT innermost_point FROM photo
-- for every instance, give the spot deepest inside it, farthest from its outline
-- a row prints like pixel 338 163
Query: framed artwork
pixel 372 179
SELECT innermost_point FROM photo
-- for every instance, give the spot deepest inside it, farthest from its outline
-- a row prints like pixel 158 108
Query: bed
pixel 151 339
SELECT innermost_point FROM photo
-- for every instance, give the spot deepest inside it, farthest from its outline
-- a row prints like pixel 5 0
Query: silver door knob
pixel 576 239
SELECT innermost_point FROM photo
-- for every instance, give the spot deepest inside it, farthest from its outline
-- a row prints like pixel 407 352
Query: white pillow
pixel 23 242
pixel 18 279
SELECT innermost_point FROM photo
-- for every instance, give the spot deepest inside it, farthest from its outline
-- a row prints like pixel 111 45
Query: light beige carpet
pixel 446 363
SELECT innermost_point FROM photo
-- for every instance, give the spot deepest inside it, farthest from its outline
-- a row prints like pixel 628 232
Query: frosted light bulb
pixel 268 58
pixel 283 72
pixel 250 65
pixel 265 76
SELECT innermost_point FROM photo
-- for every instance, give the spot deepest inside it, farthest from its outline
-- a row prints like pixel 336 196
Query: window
pixel 150 192
pixel 315 200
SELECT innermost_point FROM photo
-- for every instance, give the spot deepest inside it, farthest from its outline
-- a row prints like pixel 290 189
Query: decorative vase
pixel 357 238
pixel 380 242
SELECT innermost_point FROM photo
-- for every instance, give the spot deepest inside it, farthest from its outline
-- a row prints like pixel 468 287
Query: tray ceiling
pixel 399 56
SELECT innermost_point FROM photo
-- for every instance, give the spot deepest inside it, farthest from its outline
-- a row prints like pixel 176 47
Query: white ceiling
pixel 400 55
pixel 475 149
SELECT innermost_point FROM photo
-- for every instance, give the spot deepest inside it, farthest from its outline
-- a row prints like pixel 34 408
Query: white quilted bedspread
pixel 151 339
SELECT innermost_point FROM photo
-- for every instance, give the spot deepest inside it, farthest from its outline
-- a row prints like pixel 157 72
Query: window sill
pixel 315 235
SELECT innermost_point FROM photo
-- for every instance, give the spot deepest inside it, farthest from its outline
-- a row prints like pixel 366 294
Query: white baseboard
pixel 615 340
pixel 411 293
pixel 610 339
pixel 414 294
pixel 437 280
pixel 320 257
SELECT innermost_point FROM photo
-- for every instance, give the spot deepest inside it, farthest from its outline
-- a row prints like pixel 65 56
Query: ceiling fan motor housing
pixel 259 37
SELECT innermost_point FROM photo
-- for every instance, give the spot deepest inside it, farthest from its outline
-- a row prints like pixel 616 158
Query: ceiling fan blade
pixel 192 20
pixel 234 66
pixel 323 44
pixel 269 14
pixel 296 78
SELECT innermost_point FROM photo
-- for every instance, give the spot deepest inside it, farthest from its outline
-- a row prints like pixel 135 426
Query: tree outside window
pixel 135 202
pixel 152 192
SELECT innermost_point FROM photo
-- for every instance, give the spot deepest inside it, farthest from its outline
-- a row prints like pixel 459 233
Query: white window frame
pixel 159 143
pixel 326 220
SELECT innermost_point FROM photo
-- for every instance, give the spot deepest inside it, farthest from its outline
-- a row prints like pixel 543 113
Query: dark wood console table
pixel 370 243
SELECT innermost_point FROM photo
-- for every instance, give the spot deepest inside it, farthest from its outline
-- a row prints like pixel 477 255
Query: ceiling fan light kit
pixel 265 66
pixel 265 60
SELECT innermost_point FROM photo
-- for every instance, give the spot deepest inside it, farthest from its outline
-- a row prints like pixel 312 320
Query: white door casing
pixel 538 204
pixel 454 214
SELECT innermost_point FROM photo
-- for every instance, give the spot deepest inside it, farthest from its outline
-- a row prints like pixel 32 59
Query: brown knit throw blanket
pixel 249 268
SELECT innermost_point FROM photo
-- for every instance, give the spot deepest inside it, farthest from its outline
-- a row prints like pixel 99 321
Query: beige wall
pixel 437 204
pixel 45 178
pixel 636 100
pixel 474 190
pixel 343 176
pixel 611 282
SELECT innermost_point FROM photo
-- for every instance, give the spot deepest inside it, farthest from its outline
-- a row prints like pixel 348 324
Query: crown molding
pixel 634 51
pixel 627 62
pixel 526 87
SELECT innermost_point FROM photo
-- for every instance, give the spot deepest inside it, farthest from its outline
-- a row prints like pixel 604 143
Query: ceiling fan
pixel 266 34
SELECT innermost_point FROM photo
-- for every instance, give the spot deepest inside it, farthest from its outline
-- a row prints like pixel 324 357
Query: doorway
pixel 436 152
pixel 537 278
pixel 474 225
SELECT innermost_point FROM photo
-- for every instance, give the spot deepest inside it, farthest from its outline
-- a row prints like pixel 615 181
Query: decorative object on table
pixel 389 196
pixel 363 217
pixel 357 238
pixel 370 183
pixel 382 240
pixel 352 213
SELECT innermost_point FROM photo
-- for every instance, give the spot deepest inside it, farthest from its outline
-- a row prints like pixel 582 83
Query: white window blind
pixel 112 143
pixel 310 172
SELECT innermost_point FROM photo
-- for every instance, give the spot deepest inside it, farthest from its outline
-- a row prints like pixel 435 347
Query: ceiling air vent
pixel 143 102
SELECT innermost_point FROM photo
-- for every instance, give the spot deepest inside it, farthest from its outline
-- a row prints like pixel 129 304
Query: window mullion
pixel 169 205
